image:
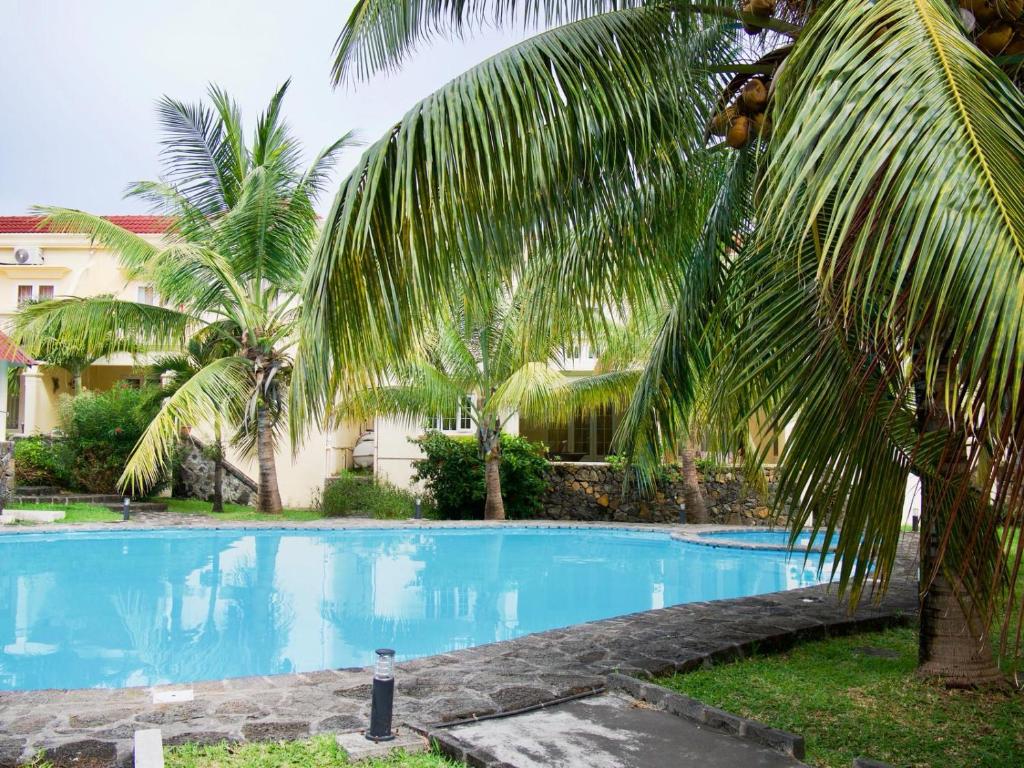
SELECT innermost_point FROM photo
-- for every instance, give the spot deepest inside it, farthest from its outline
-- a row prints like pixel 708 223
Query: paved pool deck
pixel 94 727
pixel 609 731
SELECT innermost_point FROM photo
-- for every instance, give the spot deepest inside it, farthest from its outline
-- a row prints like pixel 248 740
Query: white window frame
pixel 34 295
pixel 462 420
pixel 146 294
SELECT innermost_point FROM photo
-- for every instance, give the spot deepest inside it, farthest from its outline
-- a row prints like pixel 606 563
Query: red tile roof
pixel 140 225
pixel 11 352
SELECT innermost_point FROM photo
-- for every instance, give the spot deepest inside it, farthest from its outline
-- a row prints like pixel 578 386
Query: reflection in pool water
pixel 143 608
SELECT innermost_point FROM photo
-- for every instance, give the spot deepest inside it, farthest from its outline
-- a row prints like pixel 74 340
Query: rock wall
pixel 593 491
pixel 193 478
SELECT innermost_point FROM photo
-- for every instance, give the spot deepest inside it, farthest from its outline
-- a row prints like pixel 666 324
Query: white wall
pixel 394 453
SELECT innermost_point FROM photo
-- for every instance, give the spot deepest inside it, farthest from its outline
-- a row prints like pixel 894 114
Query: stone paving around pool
pixel 95 727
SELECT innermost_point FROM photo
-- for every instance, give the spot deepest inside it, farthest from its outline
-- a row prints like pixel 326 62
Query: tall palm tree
pixel 832 207
pixel 243 224
pixel 477 365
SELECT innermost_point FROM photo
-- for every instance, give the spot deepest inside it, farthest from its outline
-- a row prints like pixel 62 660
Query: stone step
pixel 66 498
pixel 36 490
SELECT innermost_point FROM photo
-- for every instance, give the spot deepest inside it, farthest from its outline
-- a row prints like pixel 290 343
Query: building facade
pixel 39 264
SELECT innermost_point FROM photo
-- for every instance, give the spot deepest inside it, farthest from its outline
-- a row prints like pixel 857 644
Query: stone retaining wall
pixel 193 478
pixel 593 491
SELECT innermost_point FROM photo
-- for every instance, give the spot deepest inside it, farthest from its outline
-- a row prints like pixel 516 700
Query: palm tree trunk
pixel 696 510
pixel 953 643
pixel 218 470
pixel 494 507
pixel 268 496
pixel 218 485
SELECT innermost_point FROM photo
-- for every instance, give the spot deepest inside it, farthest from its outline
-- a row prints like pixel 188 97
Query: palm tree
pixel 243 224
pixel 832 207
pixel 478 367
pixel 212 343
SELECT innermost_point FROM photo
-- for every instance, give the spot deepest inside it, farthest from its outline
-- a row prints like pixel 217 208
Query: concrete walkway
pixel 609 731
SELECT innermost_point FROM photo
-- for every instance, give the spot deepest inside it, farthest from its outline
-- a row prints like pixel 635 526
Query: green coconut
pixel 984 10
pixel 1010 10
pixel 720 123
pixel 1016 46
pixel 995 39
pixel 761 125
pixel 739 132
pixel 754 96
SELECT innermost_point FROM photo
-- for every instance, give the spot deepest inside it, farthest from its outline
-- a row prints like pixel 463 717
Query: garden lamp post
pixel 383 699
pixel 126 508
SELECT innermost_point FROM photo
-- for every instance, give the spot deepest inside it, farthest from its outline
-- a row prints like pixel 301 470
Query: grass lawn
pixel 847 704
pixel 236 511
pixel 319 752
pixel 74 513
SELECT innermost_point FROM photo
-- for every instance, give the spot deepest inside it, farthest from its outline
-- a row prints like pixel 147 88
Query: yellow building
pixel 38 264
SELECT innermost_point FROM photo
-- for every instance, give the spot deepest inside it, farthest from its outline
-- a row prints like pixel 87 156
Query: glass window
pixel 146 294
pixel 581 434
pixel 448 422
pixel 465 414
pixel 558 439
pixel 34 293
pixel 604 428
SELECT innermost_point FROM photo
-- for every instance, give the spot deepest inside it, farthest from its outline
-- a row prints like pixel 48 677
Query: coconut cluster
pixel 740 122
pixel 997 26
pixel 763 9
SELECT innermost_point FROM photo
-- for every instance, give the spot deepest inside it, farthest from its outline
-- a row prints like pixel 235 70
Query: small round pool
pixel 139 608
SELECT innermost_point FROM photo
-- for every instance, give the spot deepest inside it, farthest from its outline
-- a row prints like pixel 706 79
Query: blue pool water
pixel 113 609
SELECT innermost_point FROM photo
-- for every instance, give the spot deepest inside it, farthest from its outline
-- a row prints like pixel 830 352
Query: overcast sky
pixel 80 78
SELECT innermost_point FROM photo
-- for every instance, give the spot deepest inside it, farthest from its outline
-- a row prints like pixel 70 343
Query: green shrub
pixel 453 474
pixel 99 431
pixel 352 494
pixel 40 461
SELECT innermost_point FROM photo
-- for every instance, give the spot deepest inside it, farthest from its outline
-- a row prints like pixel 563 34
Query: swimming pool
pixel 116 609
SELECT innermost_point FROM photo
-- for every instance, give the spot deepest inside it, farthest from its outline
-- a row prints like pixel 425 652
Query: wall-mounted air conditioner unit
pixel 28 254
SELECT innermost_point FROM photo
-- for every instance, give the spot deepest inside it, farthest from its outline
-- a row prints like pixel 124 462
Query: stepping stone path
pixel 608 731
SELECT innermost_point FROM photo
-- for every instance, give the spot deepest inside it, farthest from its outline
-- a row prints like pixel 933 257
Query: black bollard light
pixel 419 512
pixel 682 513
pixel 126 508
pixel 383 700
pixel 915 523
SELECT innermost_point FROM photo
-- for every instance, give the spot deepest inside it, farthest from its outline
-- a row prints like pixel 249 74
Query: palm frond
pixel 916 278
pixel 135 252
pixel 99 325
pixel 196 156
pixel 543 132
pixel 214 392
